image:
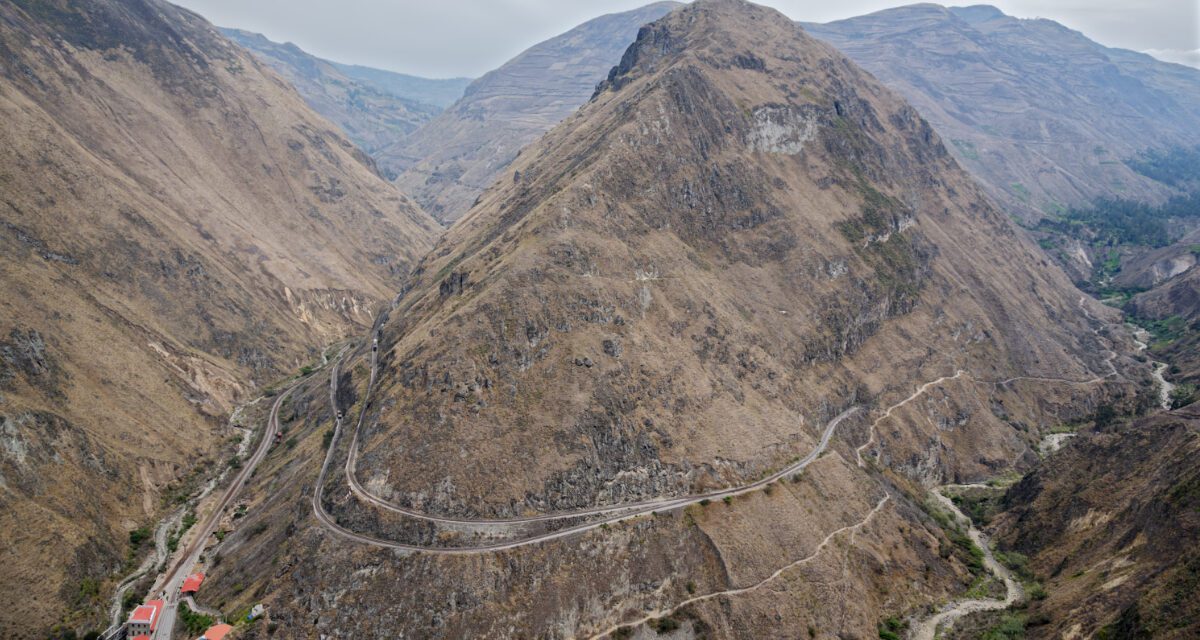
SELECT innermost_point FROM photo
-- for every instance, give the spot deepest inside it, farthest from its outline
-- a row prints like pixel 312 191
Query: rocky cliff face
pixel 741 246
pixel 1044 117
pixel 447 163
pixel 1110 524
pixel 176 227
pixel 374 108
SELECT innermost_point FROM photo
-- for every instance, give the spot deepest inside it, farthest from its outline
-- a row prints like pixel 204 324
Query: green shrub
pixel 1010 627
pixel 194 623
pixel 138 536
pixel 664 625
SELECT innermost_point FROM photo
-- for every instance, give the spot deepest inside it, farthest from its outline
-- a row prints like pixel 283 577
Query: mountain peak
pixel 737 227
pixel 721 32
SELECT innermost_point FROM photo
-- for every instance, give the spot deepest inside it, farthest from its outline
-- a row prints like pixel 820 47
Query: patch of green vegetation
pixel 980 507
pixel 1114 222
pixel 973 554
pixel 327 439
pixel 1005 480
pixel 891 628
pixel 194 623
pixel 89 590
pixel 1177 166
pixel 980 588
pixel 728 500
pixel 1164 331
pixel 1111 264
pixel 128 602
pixel 1020 191
pixel 704 502
pixel 1010 627
pixel 306 370
pixel 138 536
pixel 186 523
pixel 664 625
pixel 966 148
pixel 1183 395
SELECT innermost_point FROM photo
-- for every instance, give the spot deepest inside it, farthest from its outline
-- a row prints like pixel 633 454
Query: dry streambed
pixel 1013 592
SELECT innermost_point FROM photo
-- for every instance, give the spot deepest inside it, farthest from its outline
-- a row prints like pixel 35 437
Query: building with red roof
pixel 192 583
pixel 216 632
pixel 144 619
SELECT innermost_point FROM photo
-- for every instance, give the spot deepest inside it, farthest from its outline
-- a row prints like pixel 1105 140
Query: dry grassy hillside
pixel 176 228
pixel 741 236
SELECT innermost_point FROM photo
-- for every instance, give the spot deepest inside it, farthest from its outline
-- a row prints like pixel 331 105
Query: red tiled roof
pixel 217 632
pixel 147 613
pixel 192 583
pixel 141 637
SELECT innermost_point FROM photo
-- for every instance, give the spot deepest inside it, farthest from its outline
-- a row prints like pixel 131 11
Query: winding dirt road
pixel 612 513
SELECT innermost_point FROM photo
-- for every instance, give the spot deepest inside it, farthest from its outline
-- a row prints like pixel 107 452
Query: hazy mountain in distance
pixel 1045 117
pixel 375 108
pixel 448 162
pixel 177 229
pixel 741 247
pixel 440 92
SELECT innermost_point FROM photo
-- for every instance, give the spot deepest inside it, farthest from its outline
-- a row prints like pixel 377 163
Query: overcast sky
pixel 442 38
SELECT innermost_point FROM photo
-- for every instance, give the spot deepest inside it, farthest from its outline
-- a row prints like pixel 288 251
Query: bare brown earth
pixel 448 162
pixel 1040 114
pixel 176 229
pixel 1110 525
pixel 739 237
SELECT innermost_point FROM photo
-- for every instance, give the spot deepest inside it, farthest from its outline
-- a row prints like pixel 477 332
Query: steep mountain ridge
pixel 1043 116
pixel 177 228
pixel 741 252
pixel 806 199
pixel 449 161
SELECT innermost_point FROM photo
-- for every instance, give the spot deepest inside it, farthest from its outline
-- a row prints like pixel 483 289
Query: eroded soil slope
pixel 176 227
